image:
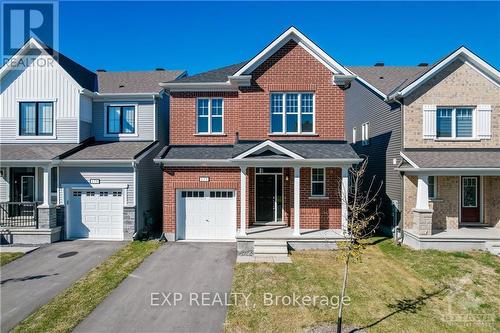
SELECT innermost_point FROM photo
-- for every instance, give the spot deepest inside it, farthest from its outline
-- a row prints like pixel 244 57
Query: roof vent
pixel 121 86
pixel 159 69
pixel 381 77
pixel 100 70
pixel 379 64
pixel 423 64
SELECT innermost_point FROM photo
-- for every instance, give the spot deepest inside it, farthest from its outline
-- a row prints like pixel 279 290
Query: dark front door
pixel 471 205
pixel 265 191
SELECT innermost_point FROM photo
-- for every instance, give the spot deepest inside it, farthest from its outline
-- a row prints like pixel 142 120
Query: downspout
pixel 136 231
pixel 398 228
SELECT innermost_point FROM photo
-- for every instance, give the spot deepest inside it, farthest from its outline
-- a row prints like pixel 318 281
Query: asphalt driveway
pixel 31 281
pixel 142 303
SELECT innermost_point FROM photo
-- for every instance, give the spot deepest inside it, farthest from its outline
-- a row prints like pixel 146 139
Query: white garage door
pixel 206 214
pixel 96 214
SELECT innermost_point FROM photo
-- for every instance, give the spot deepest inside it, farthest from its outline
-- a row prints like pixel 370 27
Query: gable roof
pixel 135 82
pixel 81 75
pixel 294 34
pixel 462 53
pixel 452 158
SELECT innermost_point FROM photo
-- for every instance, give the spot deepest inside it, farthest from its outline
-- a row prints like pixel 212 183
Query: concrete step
pixel 270 242
pixel 270 250
pixel 493 248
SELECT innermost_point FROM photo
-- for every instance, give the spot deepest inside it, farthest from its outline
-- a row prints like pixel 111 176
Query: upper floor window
pixel 292 113
pixel 121 119
pixel 454 123
pixel 210 116
pixel 365 134
pixel 36 119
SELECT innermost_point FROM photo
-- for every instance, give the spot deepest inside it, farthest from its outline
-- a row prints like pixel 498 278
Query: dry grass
pixel 6 257
pixel 394 289
pixel 70 307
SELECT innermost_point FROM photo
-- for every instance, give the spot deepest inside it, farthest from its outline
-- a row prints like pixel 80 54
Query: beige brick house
pixel 451 155
pixel 448 133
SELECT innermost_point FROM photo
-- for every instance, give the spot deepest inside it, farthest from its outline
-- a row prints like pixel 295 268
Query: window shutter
pixel 429 121
pixel 483 121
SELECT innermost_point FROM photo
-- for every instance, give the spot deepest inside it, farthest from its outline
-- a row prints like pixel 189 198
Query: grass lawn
pixel 6 257
pixel 394 289
pixel 70 307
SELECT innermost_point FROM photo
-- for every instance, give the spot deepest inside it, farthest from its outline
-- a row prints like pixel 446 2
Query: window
pixel 292 113
pixel 317 182
pixel 121 119
pixel 354 134
pixel 469 192
pixel 432 187
pixel 210 116
pixel 365 134
pixel 454 123
pixel 36 118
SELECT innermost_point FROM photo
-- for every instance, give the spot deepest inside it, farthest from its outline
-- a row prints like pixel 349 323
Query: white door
pixel 206 214
pixel 96 214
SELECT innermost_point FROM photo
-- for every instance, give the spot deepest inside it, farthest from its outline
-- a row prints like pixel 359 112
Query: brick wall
pixel 457 85
pixel 247 111
pixel 315 213
pixel 491 201
pixel 410 200
pixel 446 205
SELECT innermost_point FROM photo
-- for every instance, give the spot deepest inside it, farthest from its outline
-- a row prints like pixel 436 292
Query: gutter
pixel 253 162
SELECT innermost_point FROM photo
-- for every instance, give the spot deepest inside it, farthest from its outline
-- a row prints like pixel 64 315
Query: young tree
pixel 362 220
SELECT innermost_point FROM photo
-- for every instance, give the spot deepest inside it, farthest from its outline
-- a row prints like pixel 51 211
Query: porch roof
pixel 42 152
pixel 307 150
pixel 453 158
pixel 110 150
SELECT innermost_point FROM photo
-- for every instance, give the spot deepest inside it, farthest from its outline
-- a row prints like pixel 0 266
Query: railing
pixel 19 214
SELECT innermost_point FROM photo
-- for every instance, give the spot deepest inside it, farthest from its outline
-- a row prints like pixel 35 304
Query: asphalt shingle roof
pixel 134 82
pixel 103 150
pixel 34 152
pixel 216 75
pixel 455 158
pixel 388 79
pixel 306 149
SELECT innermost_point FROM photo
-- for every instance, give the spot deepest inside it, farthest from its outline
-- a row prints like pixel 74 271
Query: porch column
pixel 345 198
pixel 423 192
pixel 296 201
pixel 243 200
pixel 46 185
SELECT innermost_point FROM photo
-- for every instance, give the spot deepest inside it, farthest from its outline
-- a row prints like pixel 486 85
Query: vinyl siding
pixel 145 114
pixel 107 175
pixel 149 185
pixel 363 105
pixel 40 84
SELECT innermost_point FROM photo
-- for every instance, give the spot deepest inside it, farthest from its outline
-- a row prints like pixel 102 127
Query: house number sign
pixel 204 179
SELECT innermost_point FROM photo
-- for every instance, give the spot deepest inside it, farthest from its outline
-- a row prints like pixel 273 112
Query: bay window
pixel 292 113
pixel 210 116
pixel 36 119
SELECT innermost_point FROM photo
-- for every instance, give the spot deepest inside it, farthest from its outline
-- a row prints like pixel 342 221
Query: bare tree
pixel 362 220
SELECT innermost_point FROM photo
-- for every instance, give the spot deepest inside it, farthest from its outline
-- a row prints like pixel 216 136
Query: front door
pixel 268 197
pixel 471 205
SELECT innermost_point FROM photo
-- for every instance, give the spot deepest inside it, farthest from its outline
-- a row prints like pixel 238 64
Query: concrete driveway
pixel 31 281
pixel 189 269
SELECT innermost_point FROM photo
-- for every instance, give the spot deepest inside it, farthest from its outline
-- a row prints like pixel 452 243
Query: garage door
pixel 206 214
pixel 96 214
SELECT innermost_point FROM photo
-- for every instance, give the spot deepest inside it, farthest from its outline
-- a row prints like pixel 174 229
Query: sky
pixel 199 36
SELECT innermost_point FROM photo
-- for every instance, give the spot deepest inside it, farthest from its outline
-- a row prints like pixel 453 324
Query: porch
pixel 28 214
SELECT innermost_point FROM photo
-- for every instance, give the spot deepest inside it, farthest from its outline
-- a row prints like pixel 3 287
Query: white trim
pixel 407 159
pixel 243 200
pixel 268 144
pixel 209 117
pixel 318 182
pixel 296 201
pixel 120 135
pixel 354 135
pixel 293 34
pixel 365 133
pixel 462 53
pixel 451 171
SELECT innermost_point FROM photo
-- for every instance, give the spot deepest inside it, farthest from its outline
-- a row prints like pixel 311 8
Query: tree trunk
pixel 342 293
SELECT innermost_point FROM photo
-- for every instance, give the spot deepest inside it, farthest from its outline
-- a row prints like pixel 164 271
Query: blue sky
pixel 199 36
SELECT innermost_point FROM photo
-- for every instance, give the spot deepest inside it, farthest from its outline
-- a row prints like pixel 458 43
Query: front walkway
pixel 142 302
pixel 33 280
